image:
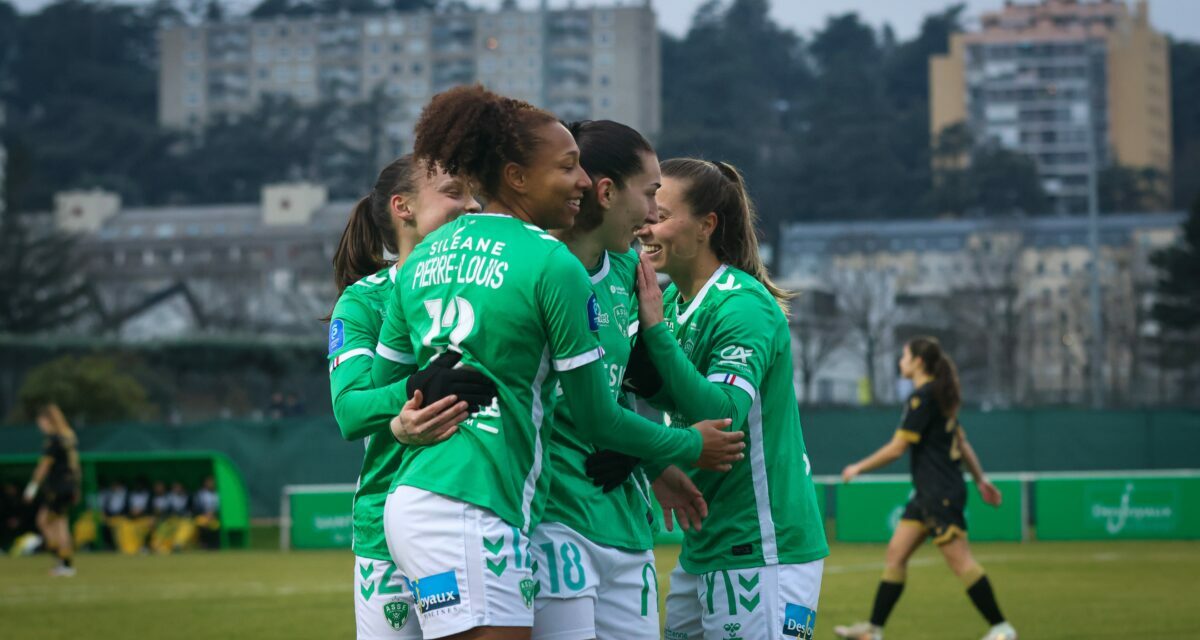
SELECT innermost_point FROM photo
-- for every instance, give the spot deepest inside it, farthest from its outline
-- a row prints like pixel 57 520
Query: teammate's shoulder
pixel 626 260
pixel 370 291
pixel 622 267
pixel 735 288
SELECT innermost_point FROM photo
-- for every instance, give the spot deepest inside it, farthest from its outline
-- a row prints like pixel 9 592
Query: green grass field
pixel 1049 590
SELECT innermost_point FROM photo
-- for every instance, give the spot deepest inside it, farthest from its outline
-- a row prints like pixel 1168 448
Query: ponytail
pixel 720 188
pixel 61 427
pixel 370 229
pixel 940 367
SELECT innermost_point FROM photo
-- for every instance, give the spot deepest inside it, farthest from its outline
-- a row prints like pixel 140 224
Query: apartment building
pixel 1075 84
pixel 593 62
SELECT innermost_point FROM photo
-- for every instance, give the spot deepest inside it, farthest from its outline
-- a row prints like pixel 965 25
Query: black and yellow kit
pixel 940 494
pixel 61 485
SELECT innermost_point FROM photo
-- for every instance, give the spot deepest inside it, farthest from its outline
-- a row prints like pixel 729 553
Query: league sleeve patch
pixel 915 402
pixel 337 336
pixel 593 309
pixel 799 622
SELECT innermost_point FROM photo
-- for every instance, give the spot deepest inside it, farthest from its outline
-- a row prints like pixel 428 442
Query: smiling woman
pixel 460 514
pixel 719 340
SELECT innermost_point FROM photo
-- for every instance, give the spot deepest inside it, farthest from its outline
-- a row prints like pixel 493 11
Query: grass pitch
pixel 1048 590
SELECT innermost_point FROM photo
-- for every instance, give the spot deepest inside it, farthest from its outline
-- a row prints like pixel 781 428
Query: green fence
pixel 317 517
pixel 1105 507
pixel 273 454
pixel 869 510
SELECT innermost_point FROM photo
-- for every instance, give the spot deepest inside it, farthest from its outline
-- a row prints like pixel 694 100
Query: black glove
pixel 641 377
pixel 609 469
pixel 440 378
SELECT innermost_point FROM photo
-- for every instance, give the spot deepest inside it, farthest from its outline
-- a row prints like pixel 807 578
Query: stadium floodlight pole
pixel 1096 347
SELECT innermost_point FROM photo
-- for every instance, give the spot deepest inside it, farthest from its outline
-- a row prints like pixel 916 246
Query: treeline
pixel 832 125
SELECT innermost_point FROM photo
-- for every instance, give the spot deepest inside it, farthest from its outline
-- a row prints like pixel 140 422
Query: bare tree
pixel 817 333
pixel 987 309
pixel 866 299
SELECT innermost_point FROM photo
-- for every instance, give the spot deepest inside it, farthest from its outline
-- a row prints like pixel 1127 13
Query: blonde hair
pixel 58 422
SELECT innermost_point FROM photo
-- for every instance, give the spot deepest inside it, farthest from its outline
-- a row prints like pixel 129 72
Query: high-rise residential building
pixel 1074 84
pixel 595 62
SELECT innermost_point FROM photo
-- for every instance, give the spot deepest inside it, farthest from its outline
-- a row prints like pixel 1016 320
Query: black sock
pixel 981 594
pixel 885 600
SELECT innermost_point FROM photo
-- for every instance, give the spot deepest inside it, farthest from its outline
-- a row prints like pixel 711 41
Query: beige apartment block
pixel 578 62
pixel 1053 77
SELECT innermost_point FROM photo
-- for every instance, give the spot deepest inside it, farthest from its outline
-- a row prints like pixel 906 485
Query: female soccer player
pixel 939 446
pixel 595 543
pixel 516 304
pixel 406 204
pixel 719 338
pixel 57 476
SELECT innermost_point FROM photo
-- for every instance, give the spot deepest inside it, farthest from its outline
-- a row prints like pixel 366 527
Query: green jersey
pixel 763 511
pixel 623 517
pixel 518 306
pixel 361 411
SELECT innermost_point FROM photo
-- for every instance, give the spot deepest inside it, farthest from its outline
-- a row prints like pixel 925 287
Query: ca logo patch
pixel 396 614
pixel 736 356
pixel 529 589
pixel 799 622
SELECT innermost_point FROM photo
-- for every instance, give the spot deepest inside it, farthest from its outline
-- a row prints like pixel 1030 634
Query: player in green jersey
pixel 594 546
pixel 517 305
pixel 938 445
pixel 405 205
pixel 719 339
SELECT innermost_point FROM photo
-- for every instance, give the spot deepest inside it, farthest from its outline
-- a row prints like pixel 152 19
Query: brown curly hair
pixel 472 132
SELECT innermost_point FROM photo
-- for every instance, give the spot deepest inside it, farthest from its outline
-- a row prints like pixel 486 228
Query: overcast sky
pixel 1180 18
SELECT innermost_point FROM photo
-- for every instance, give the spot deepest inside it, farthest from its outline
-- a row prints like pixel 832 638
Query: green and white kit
pixel 518 305
pixel 592 545
pixel 382 603
pixel 727 352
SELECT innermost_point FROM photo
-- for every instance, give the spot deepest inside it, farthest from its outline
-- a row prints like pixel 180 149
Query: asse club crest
pixel 396 614
pixel 529 589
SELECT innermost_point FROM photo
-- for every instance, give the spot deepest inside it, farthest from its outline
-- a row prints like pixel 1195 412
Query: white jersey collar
pixel 695 303
pixel 603 272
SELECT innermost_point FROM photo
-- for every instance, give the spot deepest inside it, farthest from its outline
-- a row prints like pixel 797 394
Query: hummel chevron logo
pixel 749 584
pixel 367 590
pixel 749 604
pixel 365 570
pixel 493 547
pixel 728 285
pixel 498 567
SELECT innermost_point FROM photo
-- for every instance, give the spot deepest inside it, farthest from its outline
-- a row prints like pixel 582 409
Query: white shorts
pixel 383 602
pixel 762 603
pixel 591 590
pixel 469 568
